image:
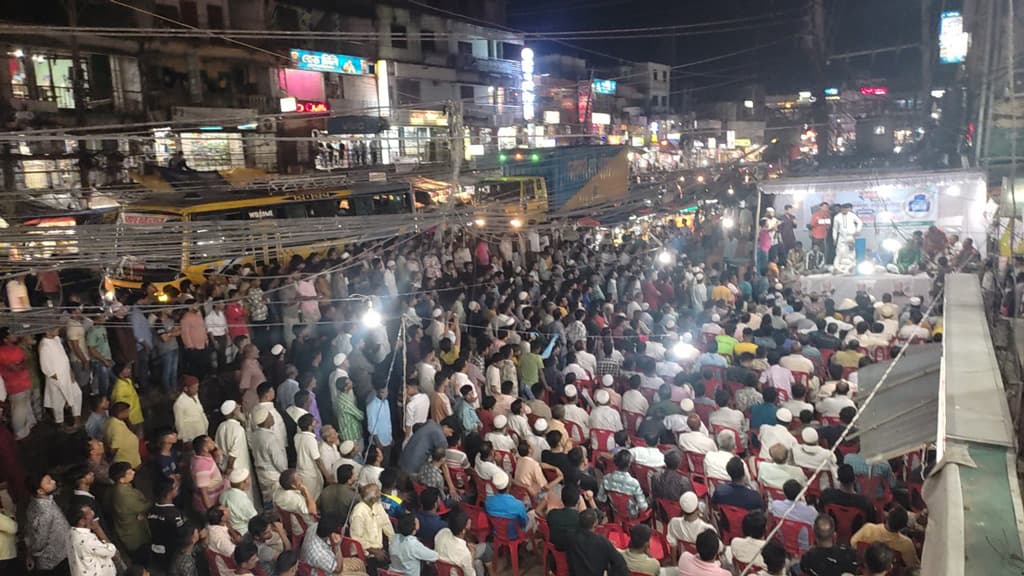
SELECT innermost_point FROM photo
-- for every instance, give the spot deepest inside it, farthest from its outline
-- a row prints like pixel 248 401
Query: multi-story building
pixel 293 86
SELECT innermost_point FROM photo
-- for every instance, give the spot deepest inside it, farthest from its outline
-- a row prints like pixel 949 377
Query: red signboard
pixel 311 107
pixel 874 90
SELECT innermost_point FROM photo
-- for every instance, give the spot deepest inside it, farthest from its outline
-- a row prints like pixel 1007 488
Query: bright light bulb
pixel 865 268
pixel 684 351
pixel 891 245
pixel 731 191
pixel 108 295
pixel 700 179
pixel 516 223
pixel 480 222
pixel 372 318
pixel 162 297
pixel 953 190
pixel 665 257
pixel 728 222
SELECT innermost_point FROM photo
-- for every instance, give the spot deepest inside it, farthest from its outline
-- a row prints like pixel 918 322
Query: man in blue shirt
pixel 407 552
pixel 504 505
pixel 425 439
pixel 764 413
pixel 143 333
pixel 378 422
pixel 736 493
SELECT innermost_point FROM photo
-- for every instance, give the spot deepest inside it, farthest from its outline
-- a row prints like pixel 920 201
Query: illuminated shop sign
pixel 304 106
pixel 327 62
pixel 605 86
pixel 874 90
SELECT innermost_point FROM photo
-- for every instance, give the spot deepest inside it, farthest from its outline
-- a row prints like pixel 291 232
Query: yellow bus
pixel 524 198
pixel 264 243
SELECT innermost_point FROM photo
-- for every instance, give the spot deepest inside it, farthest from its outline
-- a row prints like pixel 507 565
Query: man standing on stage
pixel 845 227
pixel 821 220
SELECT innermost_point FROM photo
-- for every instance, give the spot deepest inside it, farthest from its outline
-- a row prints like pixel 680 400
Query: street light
pixel 665 257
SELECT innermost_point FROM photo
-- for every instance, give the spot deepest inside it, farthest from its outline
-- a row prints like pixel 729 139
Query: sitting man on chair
pixel 623 482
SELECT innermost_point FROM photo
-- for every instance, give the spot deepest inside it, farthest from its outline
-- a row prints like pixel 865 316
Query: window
pixel 398 39
pixel 654 100
pixel 655 75
pixel 466 48
pixel 466 92
pixel 427 41
pixel 408 91
pixel 664 100
pixel 190 12
pixel 664 75
pixel 511 51
pixel 214 17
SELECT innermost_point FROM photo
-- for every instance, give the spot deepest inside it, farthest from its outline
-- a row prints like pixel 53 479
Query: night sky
pixel 782 64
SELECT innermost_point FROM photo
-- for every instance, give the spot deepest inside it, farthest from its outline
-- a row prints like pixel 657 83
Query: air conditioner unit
pixel 268 124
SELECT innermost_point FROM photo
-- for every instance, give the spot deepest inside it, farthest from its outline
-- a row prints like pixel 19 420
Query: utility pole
pixel 1014 130
pixel 78 94
pixel 820 105
pixel 455 138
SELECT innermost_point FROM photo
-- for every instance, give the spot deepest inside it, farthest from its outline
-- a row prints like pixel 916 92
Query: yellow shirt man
pixel 871 533
pixel 122 442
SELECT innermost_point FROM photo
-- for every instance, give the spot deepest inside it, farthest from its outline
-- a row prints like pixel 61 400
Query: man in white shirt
pixel 90 552
pixel 417 407
pixel 797 362
pixel 730 417
pixel 450 545
pixel 690 525
pixel 772 434
pixel 778 377
pixel 713 327
pixel 797 403
pixel 189 416
pixel 809 454
pixel 831 406
pixel 603 416
pixel 585 359
pixel 633 400
pixel 776 473
pixel 715 461
pixel 499 437
pixel 233 441
pixel 694 440
pixel 574 413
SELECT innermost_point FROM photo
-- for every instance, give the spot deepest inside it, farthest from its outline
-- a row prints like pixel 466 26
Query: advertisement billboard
pixel 327 62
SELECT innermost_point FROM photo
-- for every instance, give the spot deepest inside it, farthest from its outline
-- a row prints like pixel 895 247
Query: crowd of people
pixel 443 400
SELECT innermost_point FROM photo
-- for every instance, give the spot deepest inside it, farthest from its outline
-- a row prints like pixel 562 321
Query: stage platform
pixel 875 284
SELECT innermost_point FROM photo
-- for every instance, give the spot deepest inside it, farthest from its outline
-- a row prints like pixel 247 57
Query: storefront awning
pixel 903 415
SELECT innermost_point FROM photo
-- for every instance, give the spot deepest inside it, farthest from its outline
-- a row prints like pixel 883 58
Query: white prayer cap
pixel 238 475
pixel 809 436
pixel 260 413
pixel 346 447
pixel 688 502
pixel 601 397
pixel 686 405
pixel 607 380
pixel 570 391
pixel 277 350
pixel 915 301
pixel 228 407
pixel 500 421
pixel 784 415
pixel 716 318
pixel 540 426
pixel 500 479
pixel 340 358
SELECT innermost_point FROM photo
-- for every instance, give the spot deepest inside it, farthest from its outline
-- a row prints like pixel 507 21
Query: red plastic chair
pixel 802 378
pixel 446 569
pixel 870 486
pixel 220 565
pixel 704 411
pixel 507 535
pixel 668 509
pixel 826 359
pixel 847 371
pixel 644 475
pixel 814 481
pixel 351 548
pixel 880 354
pixel 506 461
pixel 790 536
pixel 733 386
pixel 830 421
pixel 730 522
pixel 772 493
pixel 660 548
pixel 575 432
pixel 614 533
pixel 294 525
pixel 848 447
pixel 682 546
pixel 631 421
pixel 484 488
pixel 602 440
pixel 717 374
pixel 716 428
pixel 620 509
pixel 848 521
pixel 695 465
pixel 479 525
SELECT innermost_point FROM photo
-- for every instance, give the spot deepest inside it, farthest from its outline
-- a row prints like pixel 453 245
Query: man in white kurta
pixel 268 452
pixel 233 440
pixel 267 402
pixel 61 390
pixel 307 455
pixel 845 227
pixel 189 416
pixel 603 416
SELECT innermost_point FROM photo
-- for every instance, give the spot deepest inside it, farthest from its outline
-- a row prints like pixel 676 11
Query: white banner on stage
pixel 840 287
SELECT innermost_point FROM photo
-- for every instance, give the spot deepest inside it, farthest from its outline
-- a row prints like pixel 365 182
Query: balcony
pixel 496 66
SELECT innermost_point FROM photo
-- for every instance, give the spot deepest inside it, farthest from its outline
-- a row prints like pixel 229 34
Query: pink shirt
pixel 691 565
pixel 235 314
pixel 780 378
pixel 206 474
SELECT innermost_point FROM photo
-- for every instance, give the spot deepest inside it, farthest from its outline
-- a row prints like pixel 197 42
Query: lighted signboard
pixel 327 62
pixel 874 90
pixel 605 86
pixel 552 117
pixel 601 118
pixel 831 91
pixel 304 106
pixel 528 88
pixel 953 40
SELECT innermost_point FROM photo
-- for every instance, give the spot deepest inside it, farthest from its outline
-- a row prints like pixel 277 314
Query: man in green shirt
pixel 98 349
pixel 130 508
pixel 531 366
pixel 338 498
